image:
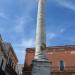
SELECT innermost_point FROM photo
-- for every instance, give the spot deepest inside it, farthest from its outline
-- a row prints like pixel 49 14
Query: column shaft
pixel 40 31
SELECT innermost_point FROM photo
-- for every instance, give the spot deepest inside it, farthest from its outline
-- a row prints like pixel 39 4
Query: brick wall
pixel 55 55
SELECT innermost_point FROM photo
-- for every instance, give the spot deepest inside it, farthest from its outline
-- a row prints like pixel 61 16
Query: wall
pixel 55 55
pixel 20 69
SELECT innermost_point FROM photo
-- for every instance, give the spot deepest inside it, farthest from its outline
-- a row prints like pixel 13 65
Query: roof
pixel 55 48
pixel 6 47
pixel 1 38
pixel 10 46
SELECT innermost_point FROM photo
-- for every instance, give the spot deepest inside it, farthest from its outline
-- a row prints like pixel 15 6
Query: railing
pixel 66 69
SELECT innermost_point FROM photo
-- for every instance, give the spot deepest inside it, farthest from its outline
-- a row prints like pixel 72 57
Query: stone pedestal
pixel 41 67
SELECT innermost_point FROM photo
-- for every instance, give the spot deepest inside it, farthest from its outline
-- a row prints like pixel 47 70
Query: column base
pixel 41 67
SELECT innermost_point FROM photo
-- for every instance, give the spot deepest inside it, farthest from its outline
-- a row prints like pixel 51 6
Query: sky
pixel 18 23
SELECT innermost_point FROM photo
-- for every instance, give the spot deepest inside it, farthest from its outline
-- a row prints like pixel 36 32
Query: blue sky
pixel 18 23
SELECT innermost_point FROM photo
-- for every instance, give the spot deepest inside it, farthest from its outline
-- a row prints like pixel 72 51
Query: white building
pixel 20 69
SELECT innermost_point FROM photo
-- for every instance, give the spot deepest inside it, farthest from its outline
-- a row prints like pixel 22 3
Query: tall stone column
pixel 40 64
pixel 41 31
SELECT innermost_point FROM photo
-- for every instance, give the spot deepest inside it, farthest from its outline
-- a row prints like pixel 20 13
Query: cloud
pixel 21 15
pixel 1 30
pixel 51 35
pixel 21 23
pixel 62 30
pixel 28 43
pixel 21 47
pixel 25 43
pixel 3 15
pixel 67 3
pixel 55 36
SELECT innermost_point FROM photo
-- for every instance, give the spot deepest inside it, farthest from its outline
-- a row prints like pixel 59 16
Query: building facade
pixel 20 69
pixel 8 59
pixel 3 58
pixel 11 61
pixel 62 60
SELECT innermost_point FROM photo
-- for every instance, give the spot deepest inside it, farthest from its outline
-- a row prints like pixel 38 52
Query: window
pixel 61 49
pixel 12 65
pixel 73 74
pixel 2 63
pixel 72 52
pixel 61 65
pixel 10 61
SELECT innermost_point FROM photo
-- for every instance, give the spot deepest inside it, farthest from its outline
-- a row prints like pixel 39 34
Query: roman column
pixel 40 64
pixel 40 31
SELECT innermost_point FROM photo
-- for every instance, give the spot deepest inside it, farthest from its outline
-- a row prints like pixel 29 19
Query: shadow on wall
pixel 27 69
